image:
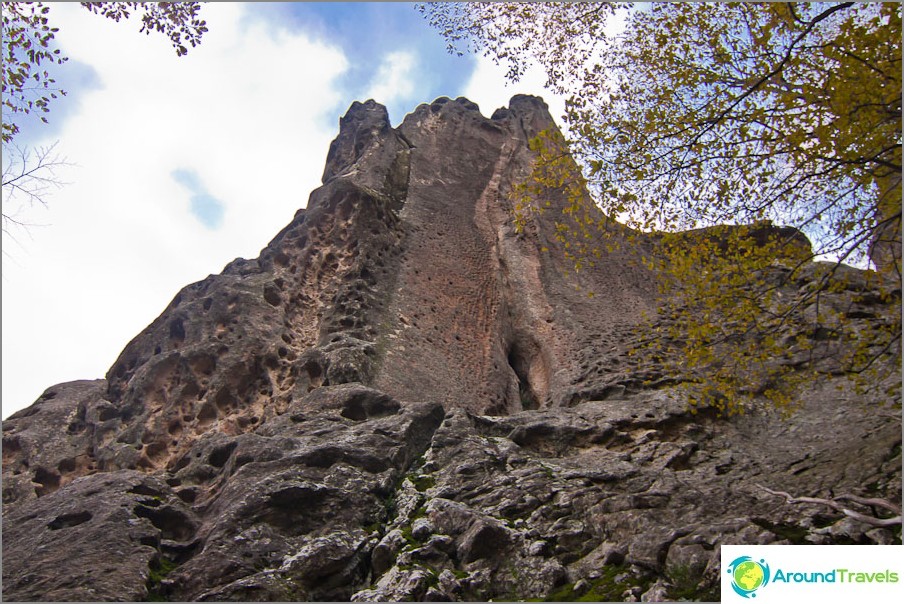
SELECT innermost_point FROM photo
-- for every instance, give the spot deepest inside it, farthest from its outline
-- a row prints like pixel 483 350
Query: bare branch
pixel 836 505
pixel 29 177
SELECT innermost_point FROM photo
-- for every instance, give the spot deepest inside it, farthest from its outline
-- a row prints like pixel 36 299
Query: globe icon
pixel 748 575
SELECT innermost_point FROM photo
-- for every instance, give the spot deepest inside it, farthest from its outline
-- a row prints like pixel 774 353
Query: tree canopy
pixel 699 116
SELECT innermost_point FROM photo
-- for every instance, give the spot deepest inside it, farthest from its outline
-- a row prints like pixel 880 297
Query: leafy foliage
pixel 27 87
pixel 700 116
pixel 178 21
pixel 560 36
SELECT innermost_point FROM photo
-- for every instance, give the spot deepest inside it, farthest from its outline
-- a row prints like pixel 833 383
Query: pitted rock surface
pixel 405 398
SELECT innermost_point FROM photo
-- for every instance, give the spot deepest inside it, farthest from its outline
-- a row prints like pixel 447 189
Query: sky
pixel 178 165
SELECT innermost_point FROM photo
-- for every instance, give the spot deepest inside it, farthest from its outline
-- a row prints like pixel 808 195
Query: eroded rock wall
pixel 405 398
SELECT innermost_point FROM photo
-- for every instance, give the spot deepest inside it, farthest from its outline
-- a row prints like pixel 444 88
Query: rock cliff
pixel 404 398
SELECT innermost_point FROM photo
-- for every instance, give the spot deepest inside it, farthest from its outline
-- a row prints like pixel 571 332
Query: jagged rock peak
pixel 361 125
pixel 365 123
pixel 528 107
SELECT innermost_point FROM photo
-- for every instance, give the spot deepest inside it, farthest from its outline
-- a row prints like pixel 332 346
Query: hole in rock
pixel 220 455
pixel 366 405
pixel 271 295
pixel 315 374
pixel 223 401
pixel 156 449
pixel 76 427
pixel 207 415
pixel 526 394
pixel 181 463
pixel 177 331
pixel 69 520
pixel 188 495
pixel 48 481
pixel 526 361
pixel 179 552
pixel 171 523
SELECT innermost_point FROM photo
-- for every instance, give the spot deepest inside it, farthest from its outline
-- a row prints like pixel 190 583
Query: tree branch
pixel 28 180
pixel 712 122
pixel 835 505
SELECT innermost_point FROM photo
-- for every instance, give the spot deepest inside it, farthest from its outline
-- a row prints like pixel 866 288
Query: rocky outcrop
pixel 405 398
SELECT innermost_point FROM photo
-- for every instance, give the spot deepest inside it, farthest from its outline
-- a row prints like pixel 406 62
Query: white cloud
pixel 394 80
pixel 251 111
pixel 490 89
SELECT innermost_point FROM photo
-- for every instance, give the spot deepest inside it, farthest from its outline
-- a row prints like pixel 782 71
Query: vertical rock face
pixel 480 316
pixel 405 398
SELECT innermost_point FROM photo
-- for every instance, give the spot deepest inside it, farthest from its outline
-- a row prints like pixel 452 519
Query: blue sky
pixel 203 206
pixel 179 165
pixel 367 32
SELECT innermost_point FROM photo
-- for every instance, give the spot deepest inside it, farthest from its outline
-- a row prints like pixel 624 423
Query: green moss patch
pixel 423 482
pixel 607 588
pixel 159 569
